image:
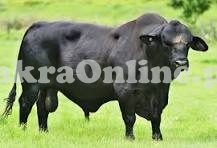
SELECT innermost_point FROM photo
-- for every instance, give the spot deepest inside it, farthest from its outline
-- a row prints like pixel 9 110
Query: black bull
pixel 150 37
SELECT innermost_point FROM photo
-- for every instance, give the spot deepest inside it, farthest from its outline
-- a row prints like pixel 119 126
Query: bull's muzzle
pixel 181 63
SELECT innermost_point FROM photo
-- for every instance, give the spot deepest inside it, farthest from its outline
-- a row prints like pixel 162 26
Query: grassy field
pixel 190 119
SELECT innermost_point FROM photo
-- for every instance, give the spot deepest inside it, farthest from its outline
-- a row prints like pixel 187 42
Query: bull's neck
pixel 158 59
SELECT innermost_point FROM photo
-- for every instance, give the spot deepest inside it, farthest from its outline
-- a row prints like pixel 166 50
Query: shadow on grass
pixel 209 61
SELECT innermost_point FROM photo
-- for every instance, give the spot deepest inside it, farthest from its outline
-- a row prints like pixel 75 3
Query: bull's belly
pixel 88 96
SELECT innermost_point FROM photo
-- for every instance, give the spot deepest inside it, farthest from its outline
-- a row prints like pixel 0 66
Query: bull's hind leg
pixel 26 100
pixel 41 111
pixel 47 102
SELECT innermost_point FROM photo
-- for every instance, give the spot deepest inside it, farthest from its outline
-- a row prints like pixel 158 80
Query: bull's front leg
pixel 155 123
pixel 129 117
pixel 156 133
pixel 127 103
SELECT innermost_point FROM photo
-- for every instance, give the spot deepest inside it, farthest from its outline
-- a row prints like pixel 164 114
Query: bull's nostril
pixel 181 62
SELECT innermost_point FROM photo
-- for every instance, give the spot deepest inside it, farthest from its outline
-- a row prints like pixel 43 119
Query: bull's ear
pixel 198 44
pixel 147 39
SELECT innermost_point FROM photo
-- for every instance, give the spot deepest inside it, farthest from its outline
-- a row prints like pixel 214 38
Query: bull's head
pixel 174 40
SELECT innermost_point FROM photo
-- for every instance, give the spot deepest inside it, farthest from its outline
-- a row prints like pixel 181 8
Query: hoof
pixel 43 130
pixel 130 137
pixel 157 137
pixel 87 118
pixel 23 126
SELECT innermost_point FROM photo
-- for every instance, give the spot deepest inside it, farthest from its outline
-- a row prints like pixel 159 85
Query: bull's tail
pixel 10 101
pixel 11 97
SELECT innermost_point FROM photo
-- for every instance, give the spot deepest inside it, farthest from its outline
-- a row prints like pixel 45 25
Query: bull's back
pixel 50 44
pixel 67 44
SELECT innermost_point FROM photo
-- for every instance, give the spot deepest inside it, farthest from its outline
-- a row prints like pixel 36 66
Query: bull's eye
pixel 150 39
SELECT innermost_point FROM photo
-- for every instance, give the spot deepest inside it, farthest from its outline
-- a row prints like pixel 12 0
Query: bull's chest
pixel 150 103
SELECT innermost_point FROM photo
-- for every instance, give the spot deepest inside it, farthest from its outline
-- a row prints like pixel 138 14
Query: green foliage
pixel 191 9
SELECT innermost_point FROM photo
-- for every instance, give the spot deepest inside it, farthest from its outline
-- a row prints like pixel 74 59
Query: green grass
pixel 190 119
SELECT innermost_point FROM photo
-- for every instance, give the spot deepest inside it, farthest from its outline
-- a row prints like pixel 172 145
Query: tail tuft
pixel 10 101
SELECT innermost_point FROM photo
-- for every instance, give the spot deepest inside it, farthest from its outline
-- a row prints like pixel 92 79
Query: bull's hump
pixel 150 18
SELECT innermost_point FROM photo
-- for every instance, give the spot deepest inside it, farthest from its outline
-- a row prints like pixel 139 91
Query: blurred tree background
pixel 197 14
pixel 192 10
